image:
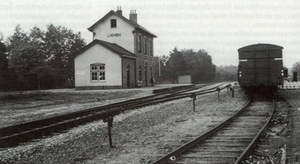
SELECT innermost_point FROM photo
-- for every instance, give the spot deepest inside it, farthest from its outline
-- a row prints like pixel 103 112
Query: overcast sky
pixel 218 26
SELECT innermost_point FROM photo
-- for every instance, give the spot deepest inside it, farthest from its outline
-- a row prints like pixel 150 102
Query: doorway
pixel 128 76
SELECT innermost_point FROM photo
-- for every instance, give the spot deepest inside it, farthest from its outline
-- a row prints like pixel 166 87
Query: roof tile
pixel 111 46
pixel 125 19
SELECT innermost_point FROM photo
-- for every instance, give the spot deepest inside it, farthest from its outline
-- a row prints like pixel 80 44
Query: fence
pixel 290 85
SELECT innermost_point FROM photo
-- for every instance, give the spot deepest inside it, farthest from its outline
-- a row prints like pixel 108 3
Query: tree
pixel 3 66
pixel 188 62
pixel 296 67
pixel 61 44
pixel 43 59
pixel 176 64
pixel 21 59
pixel 226 73
pixel 3 57
pixel 162 73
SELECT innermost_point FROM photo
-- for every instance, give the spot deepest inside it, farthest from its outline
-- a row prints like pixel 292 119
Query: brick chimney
pixel 133 16
pixel 119 10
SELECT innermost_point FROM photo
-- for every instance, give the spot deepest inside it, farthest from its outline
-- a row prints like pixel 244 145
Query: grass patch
pixel 21 96
pixel 76 97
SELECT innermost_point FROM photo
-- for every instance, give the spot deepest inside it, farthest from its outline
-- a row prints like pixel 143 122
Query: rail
pixel 12 135
pixel 201 138
pixel 254 142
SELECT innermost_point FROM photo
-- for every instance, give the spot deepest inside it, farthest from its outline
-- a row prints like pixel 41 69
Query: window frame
pixel 146 73
pixel 140 73
pixel 139 44
pixel 150 48
pixel 113 23
pixel 145 45
pixel 97 72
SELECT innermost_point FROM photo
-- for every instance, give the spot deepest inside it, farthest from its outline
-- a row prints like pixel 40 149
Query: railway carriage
pixel 260 66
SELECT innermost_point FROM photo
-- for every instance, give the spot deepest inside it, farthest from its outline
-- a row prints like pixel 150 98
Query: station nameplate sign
pixel 80 72
pixel 114 35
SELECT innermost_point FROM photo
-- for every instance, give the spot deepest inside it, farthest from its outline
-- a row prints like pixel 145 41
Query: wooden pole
pixel 218 89
pixel 109 121
pixel 194 108
pixel 193 96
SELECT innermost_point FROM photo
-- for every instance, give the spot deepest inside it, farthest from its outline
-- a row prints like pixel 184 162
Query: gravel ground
pixel 139 136
pixel 277 138
pixel 293 140
pixel 18 107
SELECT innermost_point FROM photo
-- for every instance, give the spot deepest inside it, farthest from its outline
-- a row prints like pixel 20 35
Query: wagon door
pixel 276 66
pixel 246 67
pixel 262 67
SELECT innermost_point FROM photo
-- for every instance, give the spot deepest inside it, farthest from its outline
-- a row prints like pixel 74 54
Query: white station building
pixel 120 55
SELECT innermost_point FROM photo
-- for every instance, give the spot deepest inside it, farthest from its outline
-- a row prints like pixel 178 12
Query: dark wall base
pixel 98 87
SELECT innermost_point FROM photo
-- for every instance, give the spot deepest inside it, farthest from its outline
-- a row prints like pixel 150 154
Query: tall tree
pixel 176 64
pixel 296 67
pixel 41 69
pixel 3 66
pixel 188 62
pixel 162 73
pixel 3 57
pixel 43 59
pixel 61 44
pixel 21 59
pixel 226 73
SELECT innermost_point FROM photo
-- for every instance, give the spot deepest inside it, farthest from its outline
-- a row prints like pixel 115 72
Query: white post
pixel 159 71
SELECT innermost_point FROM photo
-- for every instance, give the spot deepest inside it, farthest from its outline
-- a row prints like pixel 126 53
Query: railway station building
pixel 120 55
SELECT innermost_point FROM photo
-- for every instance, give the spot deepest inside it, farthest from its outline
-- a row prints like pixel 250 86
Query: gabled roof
pixel 135 25
pixel 110 46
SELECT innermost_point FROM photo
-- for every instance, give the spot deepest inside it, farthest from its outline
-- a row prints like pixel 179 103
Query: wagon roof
pixel 260 45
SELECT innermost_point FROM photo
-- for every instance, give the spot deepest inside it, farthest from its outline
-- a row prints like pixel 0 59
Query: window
pixel 146 74
pixel 150 47
pixel 151 73
pixel 139 45
pixel 145 45
pixel 140 73
pixel 113 23
pixel 97 72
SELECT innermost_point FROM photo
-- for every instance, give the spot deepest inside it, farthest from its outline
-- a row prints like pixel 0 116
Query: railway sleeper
pixel 217 149
pixel 232 144
pixel 203 155
pixel 228 141
pixel 230 138
pixel 207 160
pixel 239 131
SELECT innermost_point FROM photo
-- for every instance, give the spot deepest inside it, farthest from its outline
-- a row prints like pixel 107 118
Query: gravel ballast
pixel 139 136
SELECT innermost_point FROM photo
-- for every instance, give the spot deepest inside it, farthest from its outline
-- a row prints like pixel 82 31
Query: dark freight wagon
pixel 260 65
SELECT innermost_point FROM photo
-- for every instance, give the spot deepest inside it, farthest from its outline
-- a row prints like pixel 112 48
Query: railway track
pixel 230 141
pixel 13 135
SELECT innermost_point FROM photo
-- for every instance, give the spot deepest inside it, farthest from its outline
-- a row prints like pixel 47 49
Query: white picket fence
pixel 290 85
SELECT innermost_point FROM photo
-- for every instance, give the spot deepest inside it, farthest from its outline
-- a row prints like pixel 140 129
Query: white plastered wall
pixel 98 54
pixel 103 31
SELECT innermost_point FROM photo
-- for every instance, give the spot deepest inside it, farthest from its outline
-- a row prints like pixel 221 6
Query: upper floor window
pixel 140 73
pixel 139 44
pixel 97 72
pixel 150 47
pixel 113 23
pixel 145 45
